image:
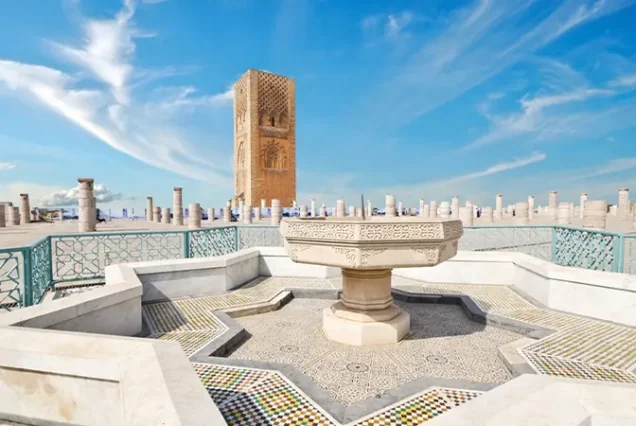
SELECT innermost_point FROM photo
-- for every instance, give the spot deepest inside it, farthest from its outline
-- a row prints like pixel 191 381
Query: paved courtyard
pixel 271 378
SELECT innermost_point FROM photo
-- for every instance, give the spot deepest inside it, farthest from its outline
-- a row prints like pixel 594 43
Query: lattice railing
pixel 259 236
pixel 11 278
pixel 85 256
pixel 599 251
pixel 27 272
pixel 212 242
pixel 533 240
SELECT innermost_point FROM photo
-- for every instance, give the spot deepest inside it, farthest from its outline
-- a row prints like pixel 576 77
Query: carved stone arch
pixel 273 156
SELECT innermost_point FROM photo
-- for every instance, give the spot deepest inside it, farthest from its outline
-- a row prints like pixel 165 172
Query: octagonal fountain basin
pixel 367 250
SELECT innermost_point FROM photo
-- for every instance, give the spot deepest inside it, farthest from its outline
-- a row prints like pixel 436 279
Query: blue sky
pixel 418 99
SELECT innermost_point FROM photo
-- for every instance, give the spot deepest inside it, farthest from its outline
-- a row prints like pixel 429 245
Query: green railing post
pixel 27 286
pixel 186 244
pixel 619 253
pixel 236 238
pixel 50 272
pixel 553 247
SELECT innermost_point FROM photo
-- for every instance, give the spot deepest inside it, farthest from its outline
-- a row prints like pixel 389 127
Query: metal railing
pixel 26 273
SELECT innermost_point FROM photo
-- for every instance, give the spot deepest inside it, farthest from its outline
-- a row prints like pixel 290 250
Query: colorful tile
pixel 554 366
pixel 412 412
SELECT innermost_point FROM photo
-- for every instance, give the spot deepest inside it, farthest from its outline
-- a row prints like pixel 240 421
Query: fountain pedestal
pixel 365 314
pixel 367 251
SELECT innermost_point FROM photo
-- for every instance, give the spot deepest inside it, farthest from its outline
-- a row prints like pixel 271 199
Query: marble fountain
pixel 367 249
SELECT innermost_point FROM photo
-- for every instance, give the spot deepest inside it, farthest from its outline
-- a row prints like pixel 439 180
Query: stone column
pixel 257 214
pixel 194 215
pixel 323 211
pixel 486 214
pixel 521 213
pixel 156 214
pixel 433 212
pixel 25 209
pixel 369 208
pixel 455 207
pixel 303 211
pixel 552 204
pixel 14 219
pixel 571 210
pixel 263 203
pixel 499 207
pixel 149 209
pixel 623 204
pixel 227 212
pixel 444 210
pixel 426 211
pixel 313 208
pixel 612 210
pixel 531 207
pixel 211 214
pixel 277 213
pixel 247 214
pixel 241 203
pixel 3 222
pixel 86 205
pixel 177 206
pixel 358 211
pixel 563 217
pixel 340 208
pixel 400 208
pixel 465 215
pixel 582 200
pixel 389 206
pixel 165 215
pixel 595 214
pixel 352 211
pixel 421 209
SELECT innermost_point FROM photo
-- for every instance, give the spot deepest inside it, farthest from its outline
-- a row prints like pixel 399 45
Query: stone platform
pixel 272 380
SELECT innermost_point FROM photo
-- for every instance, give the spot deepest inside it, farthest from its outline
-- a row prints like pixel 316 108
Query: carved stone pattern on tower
pixel 240 94
pixel 273 156
pixel 272 100
pixel 296 249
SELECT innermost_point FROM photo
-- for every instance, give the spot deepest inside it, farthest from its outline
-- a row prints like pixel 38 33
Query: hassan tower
pixel 264 139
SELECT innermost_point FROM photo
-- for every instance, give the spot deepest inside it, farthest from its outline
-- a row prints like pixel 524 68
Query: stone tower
pixel 264 138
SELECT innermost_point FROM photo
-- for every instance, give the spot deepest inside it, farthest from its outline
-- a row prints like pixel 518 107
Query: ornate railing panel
pixel 212 242
pixel 259 236
pixel 629 254
pixel 533 240
pixel 11 278
pixel 41 269
pixel 596 250
pixel 84 256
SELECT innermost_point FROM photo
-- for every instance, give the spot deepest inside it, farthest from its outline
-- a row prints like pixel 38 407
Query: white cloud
pixel 111 112
pixel 537 117
pixel 475 44
pixel 469 186
pixel 625 81
pixel 614 166
pixel 6 166
pixel 500 167
pixel 396 23
pixel 63 198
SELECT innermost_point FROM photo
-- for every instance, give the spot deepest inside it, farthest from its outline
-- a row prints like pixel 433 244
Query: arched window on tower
pixel 274 157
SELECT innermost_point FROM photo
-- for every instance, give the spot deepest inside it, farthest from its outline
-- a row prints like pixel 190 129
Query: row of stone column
pixel 13 216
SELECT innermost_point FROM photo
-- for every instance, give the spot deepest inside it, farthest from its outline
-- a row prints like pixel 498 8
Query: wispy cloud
pixel 615 166
pixel 625 81
pixel 477 43
pixel 6 166
pixel 536 117
pixel 389 27
pixel 500 167
pixel 112 112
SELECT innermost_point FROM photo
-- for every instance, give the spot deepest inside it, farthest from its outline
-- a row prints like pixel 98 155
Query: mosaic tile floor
pixel 247 396
pixel 444 343
pixel 581 348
